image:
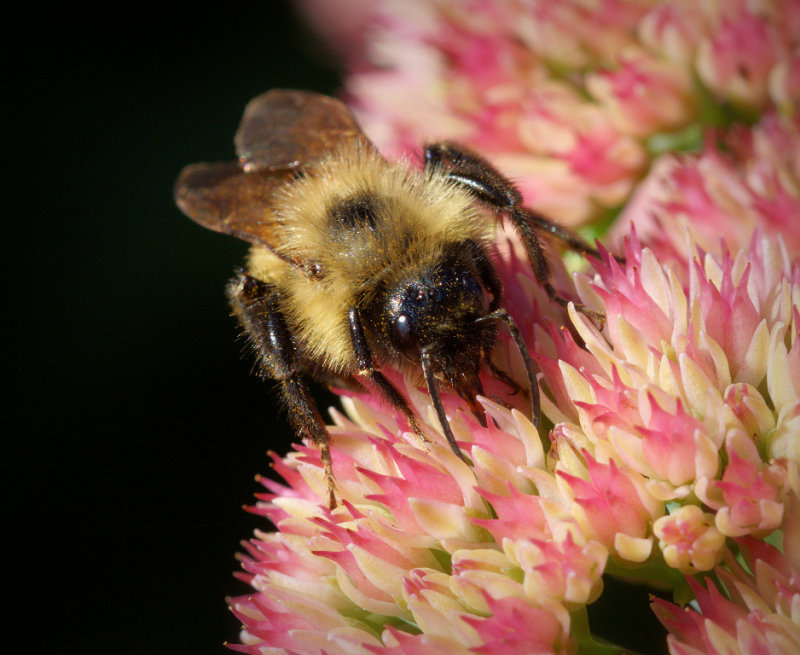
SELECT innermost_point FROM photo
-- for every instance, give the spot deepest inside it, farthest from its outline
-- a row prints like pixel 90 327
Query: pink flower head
pixel 671 426
pixel 573 99
pixel 757 614
pixel 689 540
pixel 644 95
pixel 750 180
pixel 656 410
pixel 693 392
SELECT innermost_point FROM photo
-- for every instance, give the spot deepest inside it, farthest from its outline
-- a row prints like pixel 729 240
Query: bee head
pixel 435 308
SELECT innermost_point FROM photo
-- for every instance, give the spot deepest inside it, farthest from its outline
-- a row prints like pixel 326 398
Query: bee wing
pixel 222 197
pixel 281 133
pixel 284 129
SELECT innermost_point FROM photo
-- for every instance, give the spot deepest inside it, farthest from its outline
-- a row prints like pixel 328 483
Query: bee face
pixel 435 310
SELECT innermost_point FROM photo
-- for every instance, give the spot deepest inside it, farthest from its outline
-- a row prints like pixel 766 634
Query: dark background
pixel 136 426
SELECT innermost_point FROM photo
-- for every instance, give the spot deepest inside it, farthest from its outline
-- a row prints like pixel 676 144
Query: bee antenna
pixel 502 315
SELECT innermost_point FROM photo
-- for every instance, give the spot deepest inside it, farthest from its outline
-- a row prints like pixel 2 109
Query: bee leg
pixel 503 377
pixel 492 283
pixel 502 315
pixel 433 390
pixel 366 369
pixel 490 187
pixel 488 276
pixel 467 390
pixel 255 304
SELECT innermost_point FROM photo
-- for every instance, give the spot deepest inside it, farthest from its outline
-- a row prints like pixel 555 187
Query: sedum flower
pixel 689 540
pixel 735 60
pixel 757 609
pixel 671 434
pixel 643 95
pixel 423 553
pixel 749 179
pixel 692 388
pixel 670 437
pixel 574 99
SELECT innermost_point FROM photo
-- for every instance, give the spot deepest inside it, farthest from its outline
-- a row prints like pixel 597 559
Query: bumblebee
pixel 358 264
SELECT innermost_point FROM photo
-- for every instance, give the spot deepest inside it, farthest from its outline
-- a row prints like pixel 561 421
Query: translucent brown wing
pixel 286 129
pixel 281 133
pixel 222 197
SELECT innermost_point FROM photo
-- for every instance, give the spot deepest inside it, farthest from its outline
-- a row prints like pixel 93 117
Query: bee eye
pixel 402 334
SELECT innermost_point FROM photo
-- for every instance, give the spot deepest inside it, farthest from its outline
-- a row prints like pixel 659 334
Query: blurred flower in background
pixel 572 99
pixel 672 439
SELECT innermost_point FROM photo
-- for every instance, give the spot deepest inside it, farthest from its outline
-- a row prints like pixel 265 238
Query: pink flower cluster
pixel 759 612
pixel 672 435
pixel 424 553
pixel 692 388
pixel 747 179
pixel 571 98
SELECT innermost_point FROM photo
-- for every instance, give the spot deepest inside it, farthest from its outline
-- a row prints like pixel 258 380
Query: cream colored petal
pixel 471 588
pixel 529 435
pixel 680 305
pixel 584 285
pixel 593 340
pixel 719 357
pixel 707 462
pixel 380 572
pixel 632 549
pixel 784 440
pixel 628 448
pixel 667 378
pixel 665 492
pixel 779 378
pixel 442 622
pixel 655 282
pixel 726 526
pixel 443 520
pixel 695 384
pixel 578 388
pixel 632 344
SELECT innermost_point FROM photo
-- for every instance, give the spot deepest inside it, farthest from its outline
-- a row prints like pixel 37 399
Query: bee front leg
pixel 366 369
pixel 478 176
pixel 255 303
